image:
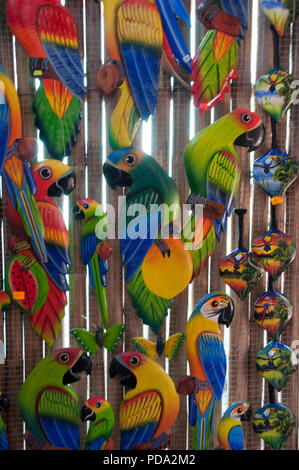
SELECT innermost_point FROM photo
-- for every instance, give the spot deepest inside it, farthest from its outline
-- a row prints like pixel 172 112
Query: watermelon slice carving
pixel 28 288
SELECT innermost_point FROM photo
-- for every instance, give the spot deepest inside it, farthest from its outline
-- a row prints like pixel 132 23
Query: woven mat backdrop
pixel 165 137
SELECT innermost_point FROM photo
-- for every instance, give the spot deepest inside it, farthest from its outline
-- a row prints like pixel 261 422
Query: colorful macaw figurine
pixel 207 361
pixel 99 412
pixel 15 154
pixel 230 432
pixel 137 33
pixel 150 407
pixel 30 287
pixel 215 62
pixel 52 179
pixel 4 405
pixel 95 249
pixel 48 33
pixel 49 407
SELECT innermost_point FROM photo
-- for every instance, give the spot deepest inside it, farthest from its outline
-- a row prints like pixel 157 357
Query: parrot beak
pixel 116 177
pixel 118 367
pixel 87 414
pixel 77 212
pixel 252 139
pixel 227 314
pixel 63 185
pixel 4 403
pixel 247 415
pixel 83 364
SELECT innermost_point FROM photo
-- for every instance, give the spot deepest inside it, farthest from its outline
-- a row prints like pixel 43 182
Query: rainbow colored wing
pixel 58 34
pixel 213 66
pixel 139 418
pixel 140 36
pixel 4 125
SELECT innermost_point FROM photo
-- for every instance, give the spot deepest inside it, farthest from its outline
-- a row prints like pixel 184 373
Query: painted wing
pixel 223 176
pixel 173 345
pixel 139 418
pixel 140 37
pixel 59 417
pixel 86 339
pixel 235 438
pixel 58 34
pixel 4 126
pixel 213 359
pixel 3 436
pixel 170 10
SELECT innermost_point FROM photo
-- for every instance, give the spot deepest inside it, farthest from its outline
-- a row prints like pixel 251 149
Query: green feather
pixel 151 308
pixel 58 134
pixel 52 400
pixel 101 291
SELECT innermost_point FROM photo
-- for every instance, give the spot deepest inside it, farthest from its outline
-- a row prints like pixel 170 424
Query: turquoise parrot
pixel 52 179
pixel 4 405
pixel 99 412
pixel 95 249
pixel 149 186
pixel 212 165
pixel 207 361
pixel 137 33
pixel 150 406
pixel 48 405
pixel 47 32
pixel 230 432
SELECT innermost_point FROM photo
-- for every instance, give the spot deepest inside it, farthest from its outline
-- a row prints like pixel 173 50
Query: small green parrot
pixel 99 412
pixel 49 407
pixel 212 165
pixel 95 249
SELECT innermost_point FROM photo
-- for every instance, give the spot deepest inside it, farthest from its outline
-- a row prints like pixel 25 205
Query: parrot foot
pixel 214 18
pixel 163 247
pixel 104 250
pixel 109 445
pixel 189 385
pixel 27 264
pixel 25 148
pixel 109 77
pixel 160 442
pixel 41 68
pixel 211 209
pixel 35 443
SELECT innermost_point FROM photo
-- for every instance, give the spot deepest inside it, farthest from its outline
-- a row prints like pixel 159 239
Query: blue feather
pixel 95 445
pixel 4 128
pixel 235 438
pixel 142 68
pixel 213 359
pixel 214 193
pixel 61 433
pixel 136 436
pixel 67 65
pixel 3 440
pixel 173 33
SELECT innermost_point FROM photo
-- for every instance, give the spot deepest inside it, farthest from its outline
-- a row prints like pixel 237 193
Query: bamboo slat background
pixel 165 137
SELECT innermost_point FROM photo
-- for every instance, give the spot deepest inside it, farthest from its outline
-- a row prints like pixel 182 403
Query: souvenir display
pixel 240 269
pixel 207 361
pixel 275 364
pixel 95 249
pixel 99 413
pixel 4 406
pixel 230 432
pixel 91 342
pixel 48 33
pixel 48 405
pixel 274 423
pixel 278 12
pixel 150 406
pixel 170 347
pixel 273 311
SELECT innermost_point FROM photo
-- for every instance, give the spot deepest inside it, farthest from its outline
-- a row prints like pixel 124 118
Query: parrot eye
pixel 246 118
pixel 214 303
pixel 64 357
pixel 134 360
pixel 98 404
pixel 85 205
pixel 130 159
pixel 239 410
pixel 45 173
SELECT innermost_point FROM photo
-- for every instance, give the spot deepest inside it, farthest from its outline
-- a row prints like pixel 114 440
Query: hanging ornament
pixel 275 363
pixel 273 311
pixel 275 171
pixel 275 91
pixel 278 13
pixel 241 270
pixel 274 423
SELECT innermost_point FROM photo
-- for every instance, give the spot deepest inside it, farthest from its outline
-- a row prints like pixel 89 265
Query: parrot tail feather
pixel 203 428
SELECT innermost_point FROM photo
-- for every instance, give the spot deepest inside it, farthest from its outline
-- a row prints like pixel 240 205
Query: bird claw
pixel 189 385
pixel 163 247
pixel 162 441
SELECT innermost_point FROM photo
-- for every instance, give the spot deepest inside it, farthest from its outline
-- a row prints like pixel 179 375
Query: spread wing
pixel 213 359
pixel 140 37
pixel 223 176
pixel 59 416
pixel 139 419
pixel 58 34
